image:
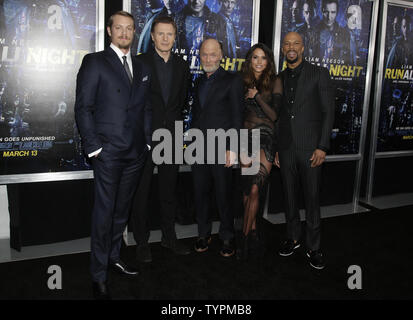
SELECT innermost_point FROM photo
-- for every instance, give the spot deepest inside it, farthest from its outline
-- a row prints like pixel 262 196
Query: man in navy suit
pixel 113 115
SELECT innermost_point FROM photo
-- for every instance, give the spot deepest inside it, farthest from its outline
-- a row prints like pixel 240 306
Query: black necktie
pixel 126 66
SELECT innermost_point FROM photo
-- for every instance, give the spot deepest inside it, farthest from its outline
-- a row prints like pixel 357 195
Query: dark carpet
pixel 380 242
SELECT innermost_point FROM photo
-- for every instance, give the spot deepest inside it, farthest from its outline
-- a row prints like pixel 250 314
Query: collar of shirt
pixel 159 58
pixel 296 71
pixel 120 54
pixel 213 76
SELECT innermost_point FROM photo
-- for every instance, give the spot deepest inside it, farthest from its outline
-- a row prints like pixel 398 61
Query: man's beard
pixel 211 69
pixel 126 46
pixel 292 61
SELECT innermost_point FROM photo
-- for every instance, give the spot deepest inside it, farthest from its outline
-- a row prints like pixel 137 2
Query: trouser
pixel 204 176
pixel 115 184
pixel 295 167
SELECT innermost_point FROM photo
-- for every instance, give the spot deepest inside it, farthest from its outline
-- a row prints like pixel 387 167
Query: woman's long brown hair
pixel 265 81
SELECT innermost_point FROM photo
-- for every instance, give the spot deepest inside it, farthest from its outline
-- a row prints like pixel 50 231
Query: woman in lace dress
pixel 263 96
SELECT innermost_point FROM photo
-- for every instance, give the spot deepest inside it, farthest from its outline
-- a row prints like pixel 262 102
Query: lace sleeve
pixel 277 95
pixel 271 110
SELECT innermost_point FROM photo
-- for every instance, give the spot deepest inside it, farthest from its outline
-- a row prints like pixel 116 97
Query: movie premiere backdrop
pixel 42 44
pixel 395 131
pixel 336 35
pixel 233 22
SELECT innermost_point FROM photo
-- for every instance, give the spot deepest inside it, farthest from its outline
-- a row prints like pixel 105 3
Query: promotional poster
pixel 42 44
pixel 229 21
pixel 336 36
pixel 395 131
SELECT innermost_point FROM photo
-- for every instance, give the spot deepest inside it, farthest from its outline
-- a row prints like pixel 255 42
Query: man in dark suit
pixel 169 85
pixel 218 104
pixel 304 129
pixel 113 115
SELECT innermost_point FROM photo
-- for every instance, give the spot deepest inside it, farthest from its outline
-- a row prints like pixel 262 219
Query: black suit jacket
pixel 224 105
pixel 112 113
pixel 308 124
pixel 165 115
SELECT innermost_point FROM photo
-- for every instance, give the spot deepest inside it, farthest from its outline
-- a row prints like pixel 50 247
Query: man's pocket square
pixel 144 78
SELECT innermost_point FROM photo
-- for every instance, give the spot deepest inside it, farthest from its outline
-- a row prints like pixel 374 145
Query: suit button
pixel 292 117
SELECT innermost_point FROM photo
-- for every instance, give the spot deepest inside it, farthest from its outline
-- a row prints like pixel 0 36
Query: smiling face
pixel 259 62
pixel 293 48
pixel 121 32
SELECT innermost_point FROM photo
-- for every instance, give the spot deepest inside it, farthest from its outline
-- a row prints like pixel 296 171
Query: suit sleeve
pixel 87 84
pixel 148 114
pixel 237 104
pixel 327 98
pixel 186 85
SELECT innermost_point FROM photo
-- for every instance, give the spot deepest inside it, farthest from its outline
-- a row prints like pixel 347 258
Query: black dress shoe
pixel 100 291
pixel 123 269
pixel 143 253
pixel 175 246
pixel 202 244
pixel 288 248
pixel 316 259
pixel 227 249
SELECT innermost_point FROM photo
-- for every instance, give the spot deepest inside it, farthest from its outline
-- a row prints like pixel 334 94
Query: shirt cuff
pixel 323 148
pixel 149 147
pixel 95 153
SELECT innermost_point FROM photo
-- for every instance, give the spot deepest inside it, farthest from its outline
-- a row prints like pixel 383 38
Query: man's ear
pixel 109 31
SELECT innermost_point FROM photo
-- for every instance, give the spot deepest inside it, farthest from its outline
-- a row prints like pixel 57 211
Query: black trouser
pixel 167 181
pixel 115 183
pixel 204 176
pixel 295 169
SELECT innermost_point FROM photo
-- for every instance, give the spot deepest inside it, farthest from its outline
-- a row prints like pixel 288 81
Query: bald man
pixel 218 104
pixel 304 128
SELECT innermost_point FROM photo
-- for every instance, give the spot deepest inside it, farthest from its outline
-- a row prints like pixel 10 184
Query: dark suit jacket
pixel 111 113
pixel 224 105
pixel 308 124
pixel 165 115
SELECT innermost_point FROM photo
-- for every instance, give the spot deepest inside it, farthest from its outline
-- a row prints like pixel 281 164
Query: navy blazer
pixel 111 113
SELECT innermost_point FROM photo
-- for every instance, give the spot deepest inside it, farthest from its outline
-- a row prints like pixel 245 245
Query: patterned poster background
pixel 42 44
pixel 229 21
pixel 336 35
pixel 396 110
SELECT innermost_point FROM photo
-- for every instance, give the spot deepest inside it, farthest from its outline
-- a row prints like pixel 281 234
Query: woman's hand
pixel 251 93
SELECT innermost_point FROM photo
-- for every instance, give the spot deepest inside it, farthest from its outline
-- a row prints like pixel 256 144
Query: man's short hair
pixel 120 13
pixel 326 2
pixel 164 19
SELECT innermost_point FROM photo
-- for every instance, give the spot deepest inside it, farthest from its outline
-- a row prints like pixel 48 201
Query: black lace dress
pixel 261 113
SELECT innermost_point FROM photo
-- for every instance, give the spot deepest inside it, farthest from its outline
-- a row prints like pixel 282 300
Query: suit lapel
pixel 174 84
pixel 137 75
pixel 213 88
pixel 114 60
pixel 302 80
